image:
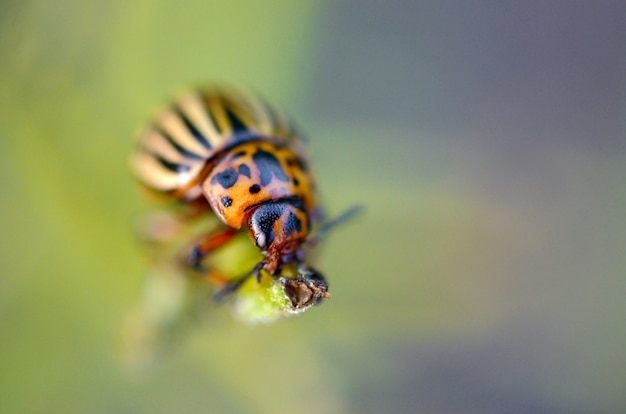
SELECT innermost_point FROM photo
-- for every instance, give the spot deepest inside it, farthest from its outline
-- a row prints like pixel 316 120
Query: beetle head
pixel 279 228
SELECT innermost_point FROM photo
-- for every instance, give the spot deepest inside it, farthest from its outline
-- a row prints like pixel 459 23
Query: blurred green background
pixel 486 140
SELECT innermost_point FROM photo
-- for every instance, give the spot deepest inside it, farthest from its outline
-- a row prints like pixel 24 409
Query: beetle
pixel 227 152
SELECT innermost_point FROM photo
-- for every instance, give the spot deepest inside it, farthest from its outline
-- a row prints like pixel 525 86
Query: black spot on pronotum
pixel 244 170
pixel 254 188
pixel 268 166
pixel 292 223
pixel 226 178
pixel 296 182
pixel 227 201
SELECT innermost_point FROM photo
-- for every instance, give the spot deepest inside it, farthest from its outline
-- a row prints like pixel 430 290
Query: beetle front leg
pixel 232 286
pixel 208 244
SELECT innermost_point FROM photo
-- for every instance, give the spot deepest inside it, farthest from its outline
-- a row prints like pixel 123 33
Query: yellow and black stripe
pixel 200 125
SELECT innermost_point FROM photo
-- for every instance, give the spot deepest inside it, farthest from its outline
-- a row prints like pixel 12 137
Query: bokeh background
pixel 487 140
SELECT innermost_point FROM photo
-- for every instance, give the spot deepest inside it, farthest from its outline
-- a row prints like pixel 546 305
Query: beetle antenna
pixel 344 217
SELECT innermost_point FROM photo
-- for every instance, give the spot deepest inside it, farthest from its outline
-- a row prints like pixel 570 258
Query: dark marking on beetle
pixel 195 132
pixel 179 148
pixel 235 122
pixel 244 170
pixel 254 188
pixel 292 223
pixel 173 166
pixel 268 166
pixel 210 115
pixel 296 201
pixel 262 221
pixel 226 178
pixel 238 154
pixel 296 182
pixel 227 201
pixel 302 164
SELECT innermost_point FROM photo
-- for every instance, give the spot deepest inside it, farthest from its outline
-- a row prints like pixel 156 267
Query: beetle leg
pixel 226 292
pixel 207 245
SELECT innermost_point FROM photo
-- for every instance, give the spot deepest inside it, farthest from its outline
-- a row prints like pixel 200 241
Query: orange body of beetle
pixel 231 153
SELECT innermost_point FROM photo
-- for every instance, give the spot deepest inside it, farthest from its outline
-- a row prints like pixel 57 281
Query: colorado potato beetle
pixel 229 153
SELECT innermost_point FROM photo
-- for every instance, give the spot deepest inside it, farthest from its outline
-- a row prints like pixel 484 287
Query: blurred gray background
pixel 486 139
